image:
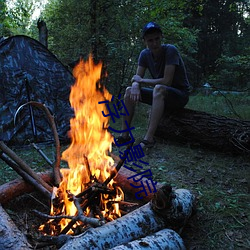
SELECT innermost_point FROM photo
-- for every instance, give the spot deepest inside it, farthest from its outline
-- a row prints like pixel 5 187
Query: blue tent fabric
pixel 29 71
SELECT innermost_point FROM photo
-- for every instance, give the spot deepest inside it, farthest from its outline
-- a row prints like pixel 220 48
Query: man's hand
pixel 136 78
pixel 135 93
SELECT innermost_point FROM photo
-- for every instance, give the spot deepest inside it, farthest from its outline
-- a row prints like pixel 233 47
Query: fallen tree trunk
pixel 143 221
pixel 212 131
pixel 10 237
pixel 163 239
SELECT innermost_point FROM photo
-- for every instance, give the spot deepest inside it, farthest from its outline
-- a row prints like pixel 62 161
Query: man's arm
pixel 166 80
pixel 135 93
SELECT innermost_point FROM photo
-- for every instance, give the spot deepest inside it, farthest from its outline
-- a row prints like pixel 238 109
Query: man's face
pixel 153 40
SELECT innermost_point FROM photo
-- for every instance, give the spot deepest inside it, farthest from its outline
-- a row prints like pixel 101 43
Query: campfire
pixel 87 200
pixel 86 187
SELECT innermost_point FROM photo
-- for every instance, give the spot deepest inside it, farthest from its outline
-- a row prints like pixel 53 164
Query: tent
pixel 30 72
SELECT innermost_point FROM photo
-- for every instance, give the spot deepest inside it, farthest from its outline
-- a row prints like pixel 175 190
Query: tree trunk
pixel 43 32
pixel 212 131
pixel 10 237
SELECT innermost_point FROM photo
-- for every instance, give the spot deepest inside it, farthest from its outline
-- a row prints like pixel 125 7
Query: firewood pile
pixel 156 223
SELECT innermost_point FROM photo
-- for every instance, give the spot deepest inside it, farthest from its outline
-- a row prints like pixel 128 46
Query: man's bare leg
pixel 156 111
pixel 130 105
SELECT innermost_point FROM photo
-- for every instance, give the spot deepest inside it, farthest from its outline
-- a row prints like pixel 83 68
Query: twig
pixel 92 221
pixel 96 187
pixel 38 201
pixel 79 215
pixel 52 217
pixel 42 154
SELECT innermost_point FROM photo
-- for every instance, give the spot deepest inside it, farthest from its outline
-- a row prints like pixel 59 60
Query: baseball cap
pixel 150 26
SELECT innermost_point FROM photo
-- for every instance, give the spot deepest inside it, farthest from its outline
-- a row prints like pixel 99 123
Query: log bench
pixel 211 131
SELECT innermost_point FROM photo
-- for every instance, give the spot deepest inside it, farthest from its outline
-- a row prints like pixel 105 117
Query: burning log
pixel 10 237
pixel 122 179
pixel 15 188
pixel 163 239
pixel 166 209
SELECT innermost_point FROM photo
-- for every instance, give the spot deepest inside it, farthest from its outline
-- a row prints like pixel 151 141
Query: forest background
pixel 213 36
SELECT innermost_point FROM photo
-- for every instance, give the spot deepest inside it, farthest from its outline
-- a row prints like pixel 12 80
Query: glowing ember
pixel 88 155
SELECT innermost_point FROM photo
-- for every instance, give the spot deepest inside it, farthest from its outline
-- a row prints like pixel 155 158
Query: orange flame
pixel 88 154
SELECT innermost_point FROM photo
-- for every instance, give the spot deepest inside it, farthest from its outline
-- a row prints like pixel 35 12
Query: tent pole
pixel 33 125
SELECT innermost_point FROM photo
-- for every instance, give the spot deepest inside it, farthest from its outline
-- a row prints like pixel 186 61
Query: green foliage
pixel 4 19
pixel 20 16
pixel 212 36
pixel 111 30
pixel 233 72
pixel 224 30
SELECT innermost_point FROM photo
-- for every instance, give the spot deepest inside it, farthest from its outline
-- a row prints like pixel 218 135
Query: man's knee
pixel 127 93
pixel 159 90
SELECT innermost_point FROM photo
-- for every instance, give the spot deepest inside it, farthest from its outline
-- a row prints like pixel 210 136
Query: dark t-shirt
pixel 171 56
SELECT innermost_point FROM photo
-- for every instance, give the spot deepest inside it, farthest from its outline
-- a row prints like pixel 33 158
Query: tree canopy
pixel 212 35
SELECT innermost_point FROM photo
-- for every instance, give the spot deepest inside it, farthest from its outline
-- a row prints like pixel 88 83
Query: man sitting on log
pixel 168 90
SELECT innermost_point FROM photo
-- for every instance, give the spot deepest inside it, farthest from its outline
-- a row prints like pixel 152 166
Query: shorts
pixel 174 100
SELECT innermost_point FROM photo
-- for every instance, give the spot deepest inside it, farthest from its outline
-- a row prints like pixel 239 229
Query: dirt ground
pixel 220 182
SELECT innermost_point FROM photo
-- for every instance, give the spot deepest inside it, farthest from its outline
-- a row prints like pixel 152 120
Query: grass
pixel 220 181
pixel 233 106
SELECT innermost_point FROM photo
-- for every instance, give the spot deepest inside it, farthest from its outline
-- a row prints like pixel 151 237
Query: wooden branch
pixel 26 176
pixel 212 131
pixel 79 217
pixel 23 165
